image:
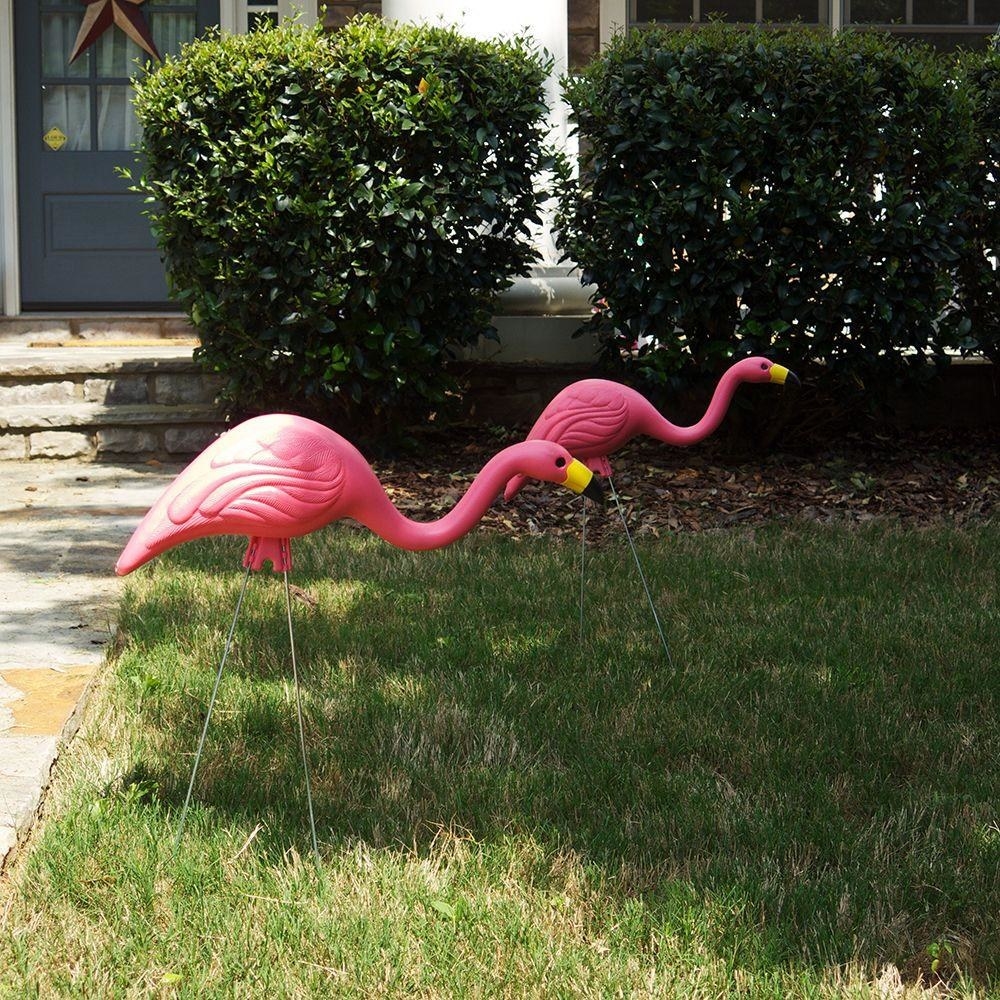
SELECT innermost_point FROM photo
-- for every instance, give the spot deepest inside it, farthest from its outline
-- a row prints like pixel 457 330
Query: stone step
pixel 164 442
pixel 59 329
pixel 23 418
pixel 132 403
pixel 19 363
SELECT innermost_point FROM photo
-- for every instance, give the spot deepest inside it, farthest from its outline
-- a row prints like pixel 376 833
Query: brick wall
pixel 339 11
pixel 584 25
pixel 584 32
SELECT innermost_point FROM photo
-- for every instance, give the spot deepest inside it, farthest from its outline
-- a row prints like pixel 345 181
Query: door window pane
pixel 116 54
pixel 106 66
pixel 171 31
pixel 117 127
pixel 59 33
pixel 67 109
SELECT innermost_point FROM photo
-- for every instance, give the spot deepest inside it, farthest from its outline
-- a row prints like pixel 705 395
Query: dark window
pixel 787 11
pixel 945 24
pixel 878 11
pixel 663 10
pixel 940 12
pixel 729 10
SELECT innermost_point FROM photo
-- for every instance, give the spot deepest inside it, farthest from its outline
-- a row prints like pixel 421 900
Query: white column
pixel 545 21
pixel 836 15
pixel 233 16
pixel 614 19
pixel 10 301
pixel 305 10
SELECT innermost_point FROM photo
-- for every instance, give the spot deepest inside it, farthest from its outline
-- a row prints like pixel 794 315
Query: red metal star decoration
pixel 101 14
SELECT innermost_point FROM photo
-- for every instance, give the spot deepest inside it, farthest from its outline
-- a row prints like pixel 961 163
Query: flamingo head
pixel 762 370
pixel 552 463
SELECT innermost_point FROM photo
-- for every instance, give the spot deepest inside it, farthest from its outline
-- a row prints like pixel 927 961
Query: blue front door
pixel 84 242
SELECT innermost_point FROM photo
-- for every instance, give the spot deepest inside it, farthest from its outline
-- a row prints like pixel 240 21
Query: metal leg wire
pixel 211 707
pixel 302 732
pixel 583 554
pixel 642 575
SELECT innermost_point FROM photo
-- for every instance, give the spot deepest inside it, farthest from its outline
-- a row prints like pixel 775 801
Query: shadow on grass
pixel 819 771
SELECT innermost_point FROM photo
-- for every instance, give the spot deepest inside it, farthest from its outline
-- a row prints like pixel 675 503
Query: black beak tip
pixel 792 379
pixel 594 491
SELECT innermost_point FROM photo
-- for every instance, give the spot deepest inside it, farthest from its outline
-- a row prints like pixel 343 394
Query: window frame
pixel 616 16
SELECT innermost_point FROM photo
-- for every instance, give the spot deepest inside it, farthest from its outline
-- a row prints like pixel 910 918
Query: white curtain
pixel 67 107
pixel 117 127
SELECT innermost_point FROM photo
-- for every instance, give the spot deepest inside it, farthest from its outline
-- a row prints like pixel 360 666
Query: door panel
pixel 77 223
pixel 84 241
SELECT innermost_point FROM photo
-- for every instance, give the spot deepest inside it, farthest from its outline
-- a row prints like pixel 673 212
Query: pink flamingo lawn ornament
pixel 279 476
pixel 594 417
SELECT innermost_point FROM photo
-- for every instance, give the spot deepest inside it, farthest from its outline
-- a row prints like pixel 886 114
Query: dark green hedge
pixel 978 278
pixel 338 211
pixel 787 192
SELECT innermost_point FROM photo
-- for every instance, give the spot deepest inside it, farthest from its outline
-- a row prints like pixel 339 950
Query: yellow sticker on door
pixel 54 138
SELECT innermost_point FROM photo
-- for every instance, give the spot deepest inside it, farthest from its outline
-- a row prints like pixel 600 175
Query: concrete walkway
pixel 63 525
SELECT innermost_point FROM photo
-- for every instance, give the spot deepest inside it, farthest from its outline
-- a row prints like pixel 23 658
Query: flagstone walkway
pixel 62 525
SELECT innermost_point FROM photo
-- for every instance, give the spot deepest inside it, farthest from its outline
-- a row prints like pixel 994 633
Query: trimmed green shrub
pixel 978 276
pixel 337 212
pixel 750 191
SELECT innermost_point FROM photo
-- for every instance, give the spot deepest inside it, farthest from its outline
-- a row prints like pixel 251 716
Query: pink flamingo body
pixel 279 476
pixel 595 417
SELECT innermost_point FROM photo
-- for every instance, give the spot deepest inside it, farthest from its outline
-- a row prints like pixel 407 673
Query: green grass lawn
pixel 806 805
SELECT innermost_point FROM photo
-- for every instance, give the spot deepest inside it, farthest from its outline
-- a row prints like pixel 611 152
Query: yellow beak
pixel 581 480
pixel 779 374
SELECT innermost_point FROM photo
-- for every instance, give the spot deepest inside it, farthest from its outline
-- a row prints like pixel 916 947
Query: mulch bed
pixel 916 478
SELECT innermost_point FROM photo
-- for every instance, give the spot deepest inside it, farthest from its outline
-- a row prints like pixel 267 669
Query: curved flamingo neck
pixel 659 427
pixel 382 517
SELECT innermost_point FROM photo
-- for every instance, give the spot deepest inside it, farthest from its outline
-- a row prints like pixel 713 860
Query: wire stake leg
pixel 583 553
pixel 642 575
pixel 302 732
pixel 211 707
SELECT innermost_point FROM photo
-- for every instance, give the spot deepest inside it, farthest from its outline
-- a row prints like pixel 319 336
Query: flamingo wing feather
pixel 279 479
pixel 262 492
pixel 586 423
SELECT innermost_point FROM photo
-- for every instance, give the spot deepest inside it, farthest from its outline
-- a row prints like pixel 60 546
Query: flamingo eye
pixel 763 366
pixel 560 462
